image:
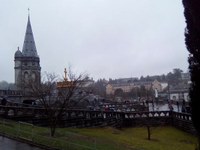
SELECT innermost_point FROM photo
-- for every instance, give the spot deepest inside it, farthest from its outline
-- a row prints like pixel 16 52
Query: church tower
pixel 27 62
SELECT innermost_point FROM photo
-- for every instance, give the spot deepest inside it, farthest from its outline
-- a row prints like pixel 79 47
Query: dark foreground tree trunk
pixel 53 129
pixel 192 41
pixel 53 125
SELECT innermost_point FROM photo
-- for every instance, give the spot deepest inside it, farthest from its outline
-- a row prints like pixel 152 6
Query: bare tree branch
pixel 55 97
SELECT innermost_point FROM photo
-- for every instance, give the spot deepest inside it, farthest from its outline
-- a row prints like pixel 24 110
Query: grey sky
pixel 105 38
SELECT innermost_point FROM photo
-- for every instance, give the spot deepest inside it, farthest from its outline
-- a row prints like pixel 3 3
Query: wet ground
pixel 9 144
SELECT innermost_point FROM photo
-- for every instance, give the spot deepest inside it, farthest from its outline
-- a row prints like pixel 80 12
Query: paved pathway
pixel 9 144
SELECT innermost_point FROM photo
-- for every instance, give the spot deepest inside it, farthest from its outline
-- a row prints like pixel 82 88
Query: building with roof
pixel 27 62
pixel 179 92
pixel 128 86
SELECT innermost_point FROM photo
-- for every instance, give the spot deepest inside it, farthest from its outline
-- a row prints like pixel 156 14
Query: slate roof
pixel 29 48
pixel 18 53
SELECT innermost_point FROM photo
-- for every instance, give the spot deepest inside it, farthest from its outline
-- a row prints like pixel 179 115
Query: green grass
pixel 162 138
pixel 165 138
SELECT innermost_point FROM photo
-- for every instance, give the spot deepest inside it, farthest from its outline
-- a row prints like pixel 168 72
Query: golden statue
pixel 65 83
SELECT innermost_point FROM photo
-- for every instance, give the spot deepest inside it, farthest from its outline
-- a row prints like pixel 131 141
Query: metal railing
pixel 27 132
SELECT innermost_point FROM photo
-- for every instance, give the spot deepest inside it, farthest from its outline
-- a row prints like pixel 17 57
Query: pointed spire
pixel 29 48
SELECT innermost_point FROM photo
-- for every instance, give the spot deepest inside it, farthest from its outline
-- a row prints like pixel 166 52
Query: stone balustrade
pixel 78 117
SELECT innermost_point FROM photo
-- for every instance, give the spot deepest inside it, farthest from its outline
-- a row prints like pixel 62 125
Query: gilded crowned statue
pixel 66 83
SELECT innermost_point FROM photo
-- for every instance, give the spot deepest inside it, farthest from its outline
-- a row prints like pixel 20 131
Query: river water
pixel 9 144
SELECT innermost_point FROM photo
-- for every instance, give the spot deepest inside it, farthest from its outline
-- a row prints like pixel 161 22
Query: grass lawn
pixel 108 138
pixel 163 138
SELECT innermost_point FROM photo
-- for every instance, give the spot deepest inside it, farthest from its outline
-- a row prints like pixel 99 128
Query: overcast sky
pixel 104 38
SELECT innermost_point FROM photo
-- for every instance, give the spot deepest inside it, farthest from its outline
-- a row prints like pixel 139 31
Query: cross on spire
pixel 28 14
pixel 28 11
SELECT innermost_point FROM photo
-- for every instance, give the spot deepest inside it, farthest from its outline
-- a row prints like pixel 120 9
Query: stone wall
pixel 85 118
pixel 182 121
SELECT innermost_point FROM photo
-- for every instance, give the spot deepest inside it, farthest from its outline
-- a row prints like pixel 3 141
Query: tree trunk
pixel 53 129
pixel 198 144
pixel 149 132
pixel 53 123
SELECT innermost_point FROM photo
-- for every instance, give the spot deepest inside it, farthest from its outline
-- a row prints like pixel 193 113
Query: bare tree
pixel 56 97
pixel 149 127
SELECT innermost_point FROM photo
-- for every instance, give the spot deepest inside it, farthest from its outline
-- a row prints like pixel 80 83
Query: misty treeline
pixel 4 85
pixel 99 87
pixel 171 77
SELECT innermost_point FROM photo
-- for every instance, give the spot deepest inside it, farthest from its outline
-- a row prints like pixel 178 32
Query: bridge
pixel 10 93
pixel 13 95
pixel 89 118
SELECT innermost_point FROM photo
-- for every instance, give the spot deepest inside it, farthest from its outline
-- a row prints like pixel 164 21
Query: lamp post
pixel 156 98
pixel 168 92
